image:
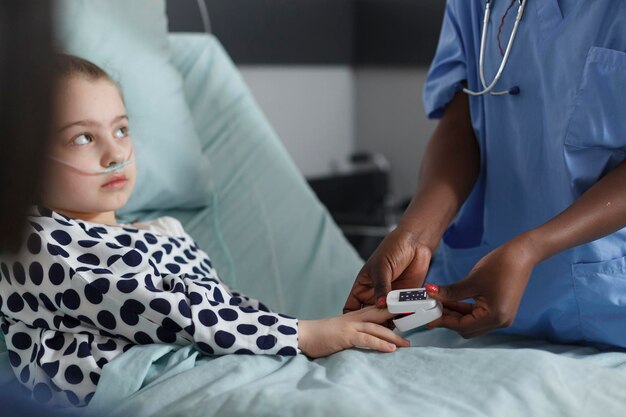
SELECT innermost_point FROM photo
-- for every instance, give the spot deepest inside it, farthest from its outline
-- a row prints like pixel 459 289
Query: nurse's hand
pixel 496 283
pixel 400 261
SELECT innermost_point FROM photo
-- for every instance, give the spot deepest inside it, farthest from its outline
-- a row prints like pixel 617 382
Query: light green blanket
pixel 440 375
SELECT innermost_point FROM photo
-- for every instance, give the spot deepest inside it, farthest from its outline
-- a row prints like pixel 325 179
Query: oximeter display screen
pixel 412 295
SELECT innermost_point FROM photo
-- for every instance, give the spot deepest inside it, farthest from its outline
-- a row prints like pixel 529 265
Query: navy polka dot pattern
pixel 79 294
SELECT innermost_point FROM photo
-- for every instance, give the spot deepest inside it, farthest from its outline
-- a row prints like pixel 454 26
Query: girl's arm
pixel 318 338
pixel 360 329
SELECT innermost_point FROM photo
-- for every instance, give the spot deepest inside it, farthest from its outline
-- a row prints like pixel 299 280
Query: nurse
pixel 521 202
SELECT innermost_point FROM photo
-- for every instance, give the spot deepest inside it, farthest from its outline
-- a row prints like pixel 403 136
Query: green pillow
pixel 279 243
pixel 129 40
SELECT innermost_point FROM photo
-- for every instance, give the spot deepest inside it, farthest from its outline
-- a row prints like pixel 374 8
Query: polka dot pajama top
pixel 80 293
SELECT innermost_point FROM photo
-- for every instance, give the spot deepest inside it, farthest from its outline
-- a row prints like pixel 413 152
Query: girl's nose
pixel 115 153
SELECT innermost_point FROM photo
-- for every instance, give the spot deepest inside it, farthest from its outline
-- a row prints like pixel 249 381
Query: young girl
pixel 84 289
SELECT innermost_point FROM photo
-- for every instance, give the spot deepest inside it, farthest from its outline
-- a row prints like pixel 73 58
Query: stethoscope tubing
pixel 488 89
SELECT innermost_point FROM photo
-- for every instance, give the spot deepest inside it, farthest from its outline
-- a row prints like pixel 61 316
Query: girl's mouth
pixel 117 181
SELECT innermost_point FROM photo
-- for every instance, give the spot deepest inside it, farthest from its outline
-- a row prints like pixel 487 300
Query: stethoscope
pixel 488 89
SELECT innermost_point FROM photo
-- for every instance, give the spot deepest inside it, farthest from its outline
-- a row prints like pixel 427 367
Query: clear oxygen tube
pixel 100 171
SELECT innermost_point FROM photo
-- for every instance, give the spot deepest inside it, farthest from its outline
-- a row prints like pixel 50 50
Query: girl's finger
pixel 384 333
pixel 364 340
pixel 373 314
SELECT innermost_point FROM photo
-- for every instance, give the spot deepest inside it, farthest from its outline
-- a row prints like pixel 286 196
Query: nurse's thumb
pixel 458 291
pixel 382 286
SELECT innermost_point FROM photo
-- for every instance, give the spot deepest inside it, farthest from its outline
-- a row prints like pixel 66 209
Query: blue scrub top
pixel 540 151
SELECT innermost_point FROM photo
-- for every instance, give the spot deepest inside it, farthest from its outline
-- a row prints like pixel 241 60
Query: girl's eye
pixel 122 132
pixel 82 140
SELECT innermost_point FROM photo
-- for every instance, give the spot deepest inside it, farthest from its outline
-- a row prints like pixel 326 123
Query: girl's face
pixel 91 132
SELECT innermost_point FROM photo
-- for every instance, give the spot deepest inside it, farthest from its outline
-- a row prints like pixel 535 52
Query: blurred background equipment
pixel 358 199
pixel 336 78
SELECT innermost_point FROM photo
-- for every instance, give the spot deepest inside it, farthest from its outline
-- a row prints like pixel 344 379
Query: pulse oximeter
pixel 416 307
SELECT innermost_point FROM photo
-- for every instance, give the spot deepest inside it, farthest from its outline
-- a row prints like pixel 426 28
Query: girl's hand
pixel 400 261
pixel 318 338
pixel 496 283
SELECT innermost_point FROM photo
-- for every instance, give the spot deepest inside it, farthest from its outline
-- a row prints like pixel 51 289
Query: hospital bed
pixel 270 237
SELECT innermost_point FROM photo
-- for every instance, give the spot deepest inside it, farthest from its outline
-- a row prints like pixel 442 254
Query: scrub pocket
pixel 600 290
pixel 595 139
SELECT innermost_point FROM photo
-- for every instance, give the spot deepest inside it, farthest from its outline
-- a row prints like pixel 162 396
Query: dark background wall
pixel 333 76
pixel 318 32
